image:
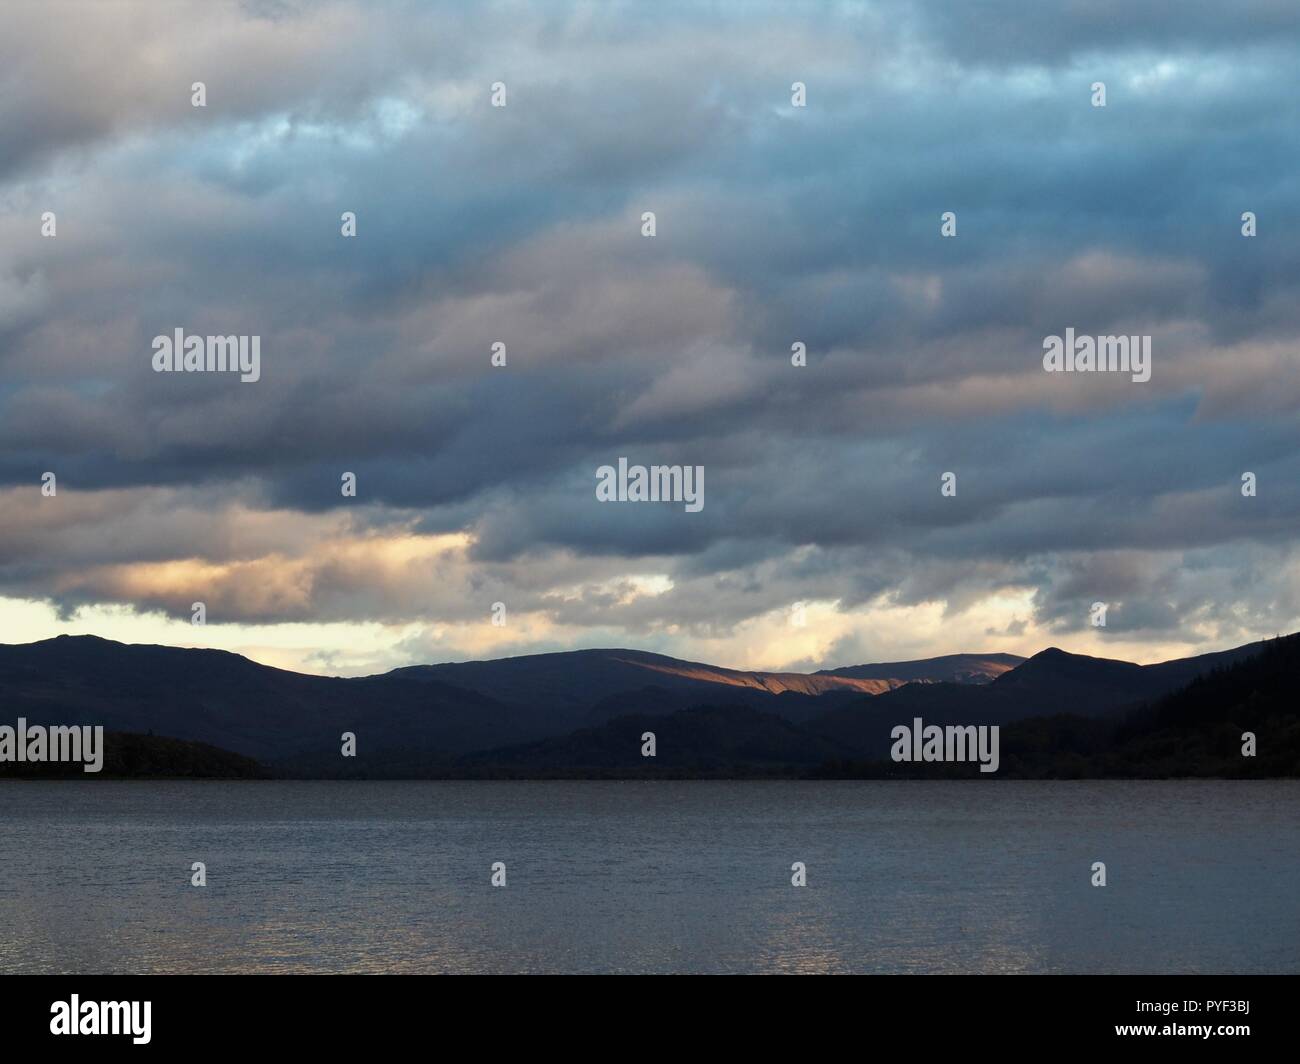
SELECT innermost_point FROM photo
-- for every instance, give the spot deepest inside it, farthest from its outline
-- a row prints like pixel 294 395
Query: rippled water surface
pixel 650 877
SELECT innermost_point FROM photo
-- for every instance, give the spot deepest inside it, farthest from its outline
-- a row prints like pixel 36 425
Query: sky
pixel 825 538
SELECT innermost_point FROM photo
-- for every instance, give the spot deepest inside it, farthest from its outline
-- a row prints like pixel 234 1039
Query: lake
pixel 959 876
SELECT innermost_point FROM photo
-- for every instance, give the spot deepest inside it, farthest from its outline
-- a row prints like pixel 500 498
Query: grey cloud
pixel 522 225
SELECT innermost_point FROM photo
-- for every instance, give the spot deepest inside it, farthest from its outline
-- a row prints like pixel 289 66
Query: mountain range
pixel 576 713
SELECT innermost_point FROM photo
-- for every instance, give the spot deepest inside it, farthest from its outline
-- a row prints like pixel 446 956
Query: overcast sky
pixel 775 224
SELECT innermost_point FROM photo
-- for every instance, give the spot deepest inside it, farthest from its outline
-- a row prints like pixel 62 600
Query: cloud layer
pixel 775 225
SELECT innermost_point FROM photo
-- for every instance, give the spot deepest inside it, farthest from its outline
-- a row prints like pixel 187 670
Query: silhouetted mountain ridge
pixel 551 713
pixel 1052 682
pixel 949 668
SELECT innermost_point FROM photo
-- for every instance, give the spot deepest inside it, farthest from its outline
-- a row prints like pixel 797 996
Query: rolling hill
pixel 582 712
pixel 1051 682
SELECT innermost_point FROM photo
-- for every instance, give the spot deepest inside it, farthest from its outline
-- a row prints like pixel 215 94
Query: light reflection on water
pixel 693 876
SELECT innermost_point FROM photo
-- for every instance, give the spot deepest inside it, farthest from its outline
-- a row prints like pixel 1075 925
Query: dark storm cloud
pixel 774 225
